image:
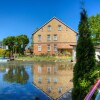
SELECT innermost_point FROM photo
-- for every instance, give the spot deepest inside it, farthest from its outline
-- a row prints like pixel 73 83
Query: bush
pixel 2 52
pixel 45 54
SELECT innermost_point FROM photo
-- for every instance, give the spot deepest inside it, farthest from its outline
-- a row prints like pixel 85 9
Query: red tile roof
pixel 64 46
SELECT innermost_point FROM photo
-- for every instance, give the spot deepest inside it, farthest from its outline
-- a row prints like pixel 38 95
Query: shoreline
pixel 44 58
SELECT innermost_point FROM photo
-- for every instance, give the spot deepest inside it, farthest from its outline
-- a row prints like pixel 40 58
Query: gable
pixel 54 21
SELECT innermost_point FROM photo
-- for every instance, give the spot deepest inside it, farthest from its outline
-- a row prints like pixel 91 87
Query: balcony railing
pixel 91 92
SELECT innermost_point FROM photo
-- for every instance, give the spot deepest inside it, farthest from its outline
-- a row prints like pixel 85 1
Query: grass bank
pixel 43 58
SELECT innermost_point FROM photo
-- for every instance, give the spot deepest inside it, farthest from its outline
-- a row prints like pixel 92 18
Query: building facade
pixel 2 45
pixel 53 37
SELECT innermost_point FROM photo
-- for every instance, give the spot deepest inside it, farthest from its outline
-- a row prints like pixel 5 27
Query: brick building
pixel 53 37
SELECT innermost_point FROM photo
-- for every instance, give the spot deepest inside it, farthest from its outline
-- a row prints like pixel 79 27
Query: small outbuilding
pixel 97 53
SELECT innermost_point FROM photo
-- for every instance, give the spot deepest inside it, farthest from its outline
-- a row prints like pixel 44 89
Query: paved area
pixel 66 96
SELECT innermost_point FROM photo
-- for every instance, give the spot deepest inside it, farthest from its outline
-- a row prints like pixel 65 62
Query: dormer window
pixel 49 27
pixel 59 28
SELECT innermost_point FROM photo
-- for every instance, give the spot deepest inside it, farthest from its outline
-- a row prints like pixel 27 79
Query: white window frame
pixel 55 79
pixel 59 89
pixel 48 69
pixel 48 37
pixel 55 37
pixel 49 79
pixel 39 38
pixel 49 89
pixel 55 47
pixel 49 27
pixel 39 69
pixel 48 47
pixel 39 48
pixel 59 28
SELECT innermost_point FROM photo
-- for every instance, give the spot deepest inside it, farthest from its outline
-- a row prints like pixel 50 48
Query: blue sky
pixel 24 16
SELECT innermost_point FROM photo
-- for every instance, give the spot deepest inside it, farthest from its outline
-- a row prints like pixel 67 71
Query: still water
pixel 34 81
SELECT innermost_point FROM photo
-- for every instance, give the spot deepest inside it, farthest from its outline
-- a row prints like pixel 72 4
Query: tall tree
pixel 94 22
pixel 85 73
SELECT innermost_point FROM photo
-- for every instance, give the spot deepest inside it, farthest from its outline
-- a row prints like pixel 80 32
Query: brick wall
pixel 66 35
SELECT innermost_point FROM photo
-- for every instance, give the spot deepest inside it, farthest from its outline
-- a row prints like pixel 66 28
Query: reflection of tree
pixel 16 74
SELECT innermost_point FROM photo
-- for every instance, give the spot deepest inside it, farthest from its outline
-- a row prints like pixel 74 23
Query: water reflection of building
pixel 54 80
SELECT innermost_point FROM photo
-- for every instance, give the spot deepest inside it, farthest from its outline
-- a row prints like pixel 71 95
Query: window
pixel 49 79
pixel 55 47
pixel 48 69
pixel 39 37
pixel 59 28
pixel 55 37
pixel 55 80
pixel 49 27
pixel 39 79
pixel 48 37
pixel 39 69
pixel 39 48
pixel 59 89
pixel 48 47
pixel 49 89
pixel 55 69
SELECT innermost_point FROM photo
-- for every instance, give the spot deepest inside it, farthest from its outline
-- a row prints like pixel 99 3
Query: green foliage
pixel 2 51
pixel 16 44
pixel 23 42
pixel 85 73
pixel 7 53
pixel 9 41
pixel 94 22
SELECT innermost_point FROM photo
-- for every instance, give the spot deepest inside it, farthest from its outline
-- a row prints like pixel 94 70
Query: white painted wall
pixel 74 54
pixel 97 53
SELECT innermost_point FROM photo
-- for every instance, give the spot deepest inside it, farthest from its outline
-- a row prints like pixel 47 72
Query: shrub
pixel 2 52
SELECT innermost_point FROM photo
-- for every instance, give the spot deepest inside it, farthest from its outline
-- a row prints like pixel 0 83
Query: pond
pixel 34 81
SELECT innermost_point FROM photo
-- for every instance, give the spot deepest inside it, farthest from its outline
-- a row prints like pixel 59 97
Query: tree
pixel 85 73
pixel 16 44
pixel 16 74
pixel 94 22
pixel 23 42
pixel 10 41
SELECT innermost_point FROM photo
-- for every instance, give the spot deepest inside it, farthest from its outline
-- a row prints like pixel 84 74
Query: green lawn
pixel 42 58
